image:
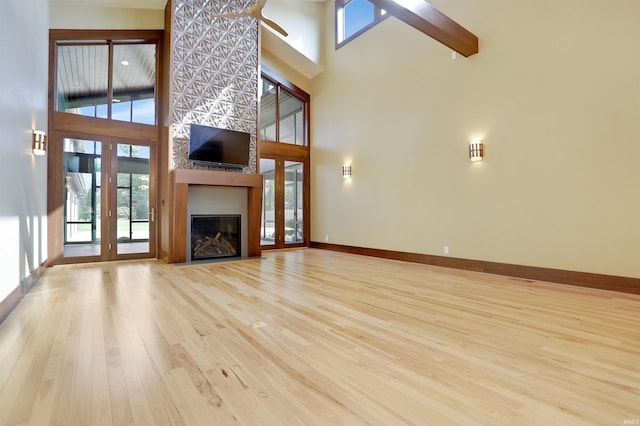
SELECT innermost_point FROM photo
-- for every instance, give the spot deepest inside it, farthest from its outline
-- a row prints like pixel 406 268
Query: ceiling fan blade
pixel 275 26
pixel 255 11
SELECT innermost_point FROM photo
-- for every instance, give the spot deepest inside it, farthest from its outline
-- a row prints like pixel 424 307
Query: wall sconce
pixel 476 150
pixel 39 142
pixel 346 171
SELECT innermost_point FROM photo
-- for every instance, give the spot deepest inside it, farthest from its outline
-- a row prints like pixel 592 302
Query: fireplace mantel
pixel 180 181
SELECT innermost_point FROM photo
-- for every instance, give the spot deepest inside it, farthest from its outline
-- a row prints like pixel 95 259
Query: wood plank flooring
pixel 315 337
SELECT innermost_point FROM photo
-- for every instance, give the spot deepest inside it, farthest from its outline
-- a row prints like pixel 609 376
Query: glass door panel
pixel 133 199
pixel 268 219
pixel 106 208
pixel 293 202
pixel 82 162
pixel 283 201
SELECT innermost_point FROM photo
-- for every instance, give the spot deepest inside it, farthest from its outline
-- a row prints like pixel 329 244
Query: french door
pixel 284 203
pixel 105 198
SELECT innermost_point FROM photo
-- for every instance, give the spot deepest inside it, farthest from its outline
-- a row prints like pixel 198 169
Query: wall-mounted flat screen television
pixel 215 146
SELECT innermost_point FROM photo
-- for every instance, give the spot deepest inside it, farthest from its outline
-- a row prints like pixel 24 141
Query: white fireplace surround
pixel 218 200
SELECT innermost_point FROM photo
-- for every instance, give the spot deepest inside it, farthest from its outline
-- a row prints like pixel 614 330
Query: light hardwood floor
pixel 315 337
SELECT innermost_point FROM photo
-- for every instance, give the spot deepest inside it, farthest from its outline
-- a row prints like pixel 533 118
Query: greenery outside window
pixel 133 193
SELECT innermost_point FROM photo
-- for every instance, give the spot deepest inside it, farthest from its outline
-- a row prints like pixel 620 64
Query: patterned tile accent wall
pixel 215 73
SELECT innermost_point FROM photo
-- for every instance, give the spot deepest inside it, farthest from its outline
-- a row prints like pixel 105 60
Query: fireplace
pixel 215 236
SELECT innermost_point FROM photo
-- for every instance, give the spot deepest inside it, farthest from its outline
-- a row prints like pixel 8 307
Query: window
pixel 108 79
pixel 354 17
pixel 104 106
pixel 282 114
pixel 284 162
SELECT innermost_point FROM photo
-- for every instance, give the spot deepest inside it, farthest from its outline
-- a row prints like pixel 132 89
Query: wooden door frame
pixel 108 232
pixel 56 198
pixel 280 152
pixel 113 195
pixel 71 123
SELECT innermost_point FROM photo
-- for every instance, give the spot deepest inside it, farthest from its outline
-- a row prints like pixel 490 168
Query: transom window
pixel 354 17
pixel 107 79
pixel 282 114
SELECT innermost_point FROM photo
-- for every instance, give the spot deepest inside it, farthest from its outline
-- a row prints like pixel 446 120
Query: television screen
pixel 213 145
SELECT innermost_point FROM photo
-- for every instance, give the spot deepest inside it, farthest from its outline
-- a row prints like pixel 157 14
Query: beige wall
pixel 302 20
pixel 268 60
pixel 84 17
pixel 554 93
pixel 23 106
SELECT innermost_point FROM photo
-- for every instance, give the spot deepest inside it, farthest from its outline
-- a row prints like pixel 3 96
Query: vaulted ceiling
pixel 421 15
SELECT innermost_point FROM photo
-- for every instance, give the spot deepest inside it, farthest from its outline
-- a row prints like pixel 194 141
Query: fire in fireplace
pixel 215 236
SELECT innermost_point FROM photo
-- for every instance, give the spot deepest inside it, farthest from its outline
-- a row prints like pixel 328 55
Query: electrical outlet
pixel 446 249
pixel 326 238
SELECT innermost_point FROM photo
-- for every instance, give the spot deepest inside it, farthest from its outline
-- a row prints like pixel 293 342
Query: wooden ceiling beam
pixel 429 20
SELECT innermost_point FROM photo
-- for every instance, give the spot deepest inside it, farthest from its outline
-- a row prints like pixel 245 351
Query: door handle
pixel 153 214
